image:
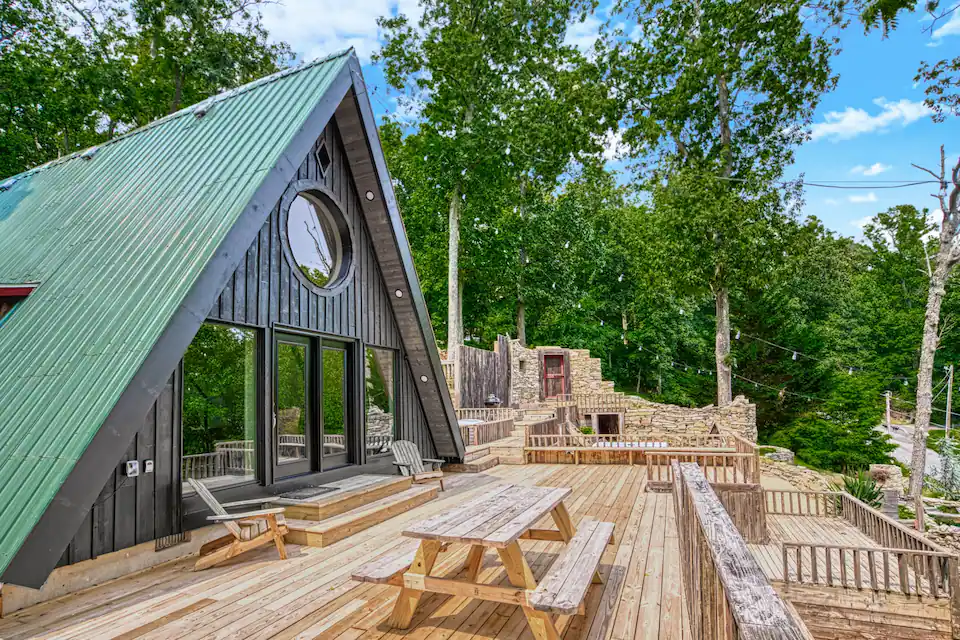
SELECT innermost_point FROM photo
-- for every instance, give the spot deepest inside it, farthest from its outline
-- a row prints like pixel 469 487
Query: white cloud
pixel 860 198
pixel 851 122
pixel 614 147
pixel 314 28
pixel 949 28
pixel 875 169
pixel 831 201
pixel 862 222
pixel 583 35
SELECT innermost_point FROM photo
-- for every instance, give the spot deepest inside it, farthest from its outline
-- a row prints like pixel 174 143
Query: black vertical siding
pixel 265 290
pixel 129 511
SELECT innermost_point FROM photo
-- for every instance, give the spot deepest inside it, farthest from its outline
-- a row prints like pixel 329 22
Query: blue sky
pixel 871 127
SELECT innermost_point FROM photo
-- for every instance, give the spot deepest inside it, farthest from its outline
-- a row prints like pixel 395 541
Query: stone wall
pixel 801 478
pixel 524 375
pixel 585 376
pixel 740 417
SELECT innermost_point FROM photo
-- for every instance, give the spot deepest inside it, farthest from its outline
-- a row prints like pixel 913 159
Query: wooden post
pixel 946 431
pixel 921 516
pixel 889 425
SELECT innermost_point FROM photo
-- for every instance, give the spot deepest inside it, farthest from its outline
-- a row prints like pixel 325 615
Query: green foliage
pixel 76 74
pixel 840 434
pixel 219 388
pixel 863 488
pixel 586 431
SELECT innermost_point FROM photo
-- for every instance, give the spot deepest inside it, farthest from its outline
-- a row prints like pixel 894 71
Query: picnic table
pixel 498 520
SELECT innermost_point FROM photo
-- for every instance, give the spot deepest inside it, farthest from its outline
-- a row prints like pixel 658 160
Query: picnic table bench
pixel 499 520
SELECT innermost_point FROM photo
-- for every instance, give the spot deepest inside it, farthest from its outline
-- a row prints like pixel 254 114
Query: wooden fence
pixel 744 505
pixel 916 573
pixel 486 432
pixel 591 402
pixel 485 414
pixel 726 593
pixel 565 440
pixel 724 468
pixel 478 373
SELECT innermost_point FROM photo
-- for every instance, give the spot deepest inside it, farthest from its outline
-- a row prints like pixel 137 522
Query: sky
pixel 872 127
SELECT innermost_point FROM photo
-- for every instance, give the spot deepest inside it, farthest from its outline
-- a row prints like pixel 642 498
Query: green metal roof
pixel 116 238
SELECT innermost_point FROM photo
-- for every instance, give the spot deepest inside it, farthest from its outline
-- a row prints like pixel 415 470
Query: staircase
pixel 355 504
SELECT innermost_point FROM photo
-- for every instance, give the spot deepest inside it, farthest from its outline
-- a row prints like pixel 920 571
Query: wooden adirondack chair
pixel 248 530
pixel 412 464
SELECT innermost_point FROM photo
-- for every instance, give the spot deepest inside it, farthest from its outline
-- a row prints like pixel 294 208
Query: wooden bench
pixel 387 569
pixel 564 588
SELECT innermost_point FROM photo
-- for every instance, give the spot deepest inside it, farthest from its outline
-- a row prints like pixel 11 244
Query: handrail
pixel 720 467
pixel 910 572
pixel 586 401
pixel 645 440
pixel 486 432
pixel 884 530
pixel 488 414
pixel 727 595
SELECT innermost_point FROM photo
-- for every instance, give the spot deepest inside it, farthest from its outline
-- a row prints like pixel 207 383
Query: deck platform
pixel 311 595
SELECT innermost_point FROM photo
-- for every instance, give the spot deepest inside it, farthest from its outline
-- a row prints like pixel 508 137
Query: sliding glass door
pixel 312 406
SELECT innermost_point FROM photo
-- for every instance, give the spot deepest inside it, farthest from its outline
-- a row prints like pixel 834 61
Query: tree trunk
pixel 454 309
pixel 177 90
pixel 521 306
pixel 928 350
pixel 521 322
pixel 623 320
pixel 724 381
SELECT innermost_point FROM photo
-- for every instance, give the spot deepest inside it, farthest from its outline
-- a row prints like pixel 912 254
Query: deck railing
pixel 486 414
pixel 630 441
pixel 916 573
pixel 588 402
pixel 885 531
pixel 449 371
pixel 726 468
pixel 486 432
pixel 549 426
pixel 726 593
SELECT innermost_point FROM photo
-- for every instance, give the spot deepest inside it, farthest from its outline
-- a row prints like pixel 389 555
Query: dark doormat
pixel 307 492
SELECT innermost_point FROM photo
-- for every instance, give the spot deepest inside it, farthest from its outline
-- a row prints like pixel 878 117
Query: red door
pixel 553 376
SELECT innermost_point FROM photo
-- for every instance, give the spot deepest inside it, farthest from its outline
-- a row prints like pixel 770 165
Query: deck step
pixel 474 466
pixel 326 532
pixel 352 493
pixel 476 454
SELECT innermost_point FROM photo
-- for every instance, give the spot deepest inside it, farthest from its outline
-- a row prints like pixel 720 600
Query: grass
pixel 765 450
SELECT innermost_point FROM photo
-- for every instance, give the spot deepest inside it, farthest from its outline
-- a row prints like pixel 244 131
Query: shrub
pixel 863 488
pixel 587 431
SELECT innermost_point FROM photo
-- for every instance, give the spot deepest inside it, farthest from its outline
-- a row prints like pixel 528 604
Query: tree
pixel 947 257
pixel 503 104
pixel 718 95
pixel 75 74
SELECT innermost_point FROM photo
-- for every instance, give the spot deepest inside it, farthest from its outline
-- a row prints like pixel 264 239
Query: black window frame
pixel 396 397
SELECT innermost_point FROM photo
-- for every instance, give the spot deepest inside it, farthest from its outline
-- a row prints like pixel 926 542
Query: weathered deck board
pixel 311 595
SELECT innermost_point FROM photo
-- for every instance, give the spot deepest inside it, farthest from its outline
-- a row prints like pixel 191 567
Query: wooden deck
pixel 835 532
pixel 311 595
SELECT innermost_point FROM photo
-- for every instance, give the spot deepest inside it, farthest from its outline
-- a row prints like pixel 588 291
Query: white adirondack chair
pixel 408 459
pixel 248 530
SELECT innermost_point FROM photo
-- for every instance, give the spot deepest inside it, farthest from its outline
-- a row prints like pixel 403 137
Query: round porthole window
pixel 318 239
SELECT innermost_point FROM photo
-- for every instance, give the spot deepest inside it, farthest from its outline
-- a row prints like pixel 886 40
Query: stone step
pixel 350 494
pixel 474 466
pixel 326 532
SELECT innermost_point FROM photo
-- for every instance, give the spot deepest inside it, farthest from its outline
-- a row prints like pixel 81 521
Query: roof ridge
pixel 190 109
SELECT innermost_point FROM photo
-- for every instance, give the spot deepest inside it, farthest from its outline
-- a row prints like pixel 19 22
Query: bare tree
pixel 948 255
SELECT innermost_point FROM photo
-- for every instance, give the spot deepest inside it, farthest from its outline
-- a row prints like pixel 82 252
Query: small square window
pixel 323 158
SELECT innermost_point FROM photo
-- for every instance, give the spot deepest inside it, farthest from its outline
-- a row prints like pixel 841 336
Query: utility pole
pixel 887 395
pixel 946 424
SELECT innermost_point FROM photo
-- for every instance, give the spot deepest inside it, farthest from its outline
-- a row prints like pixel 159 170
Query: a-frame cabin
pixel 226 294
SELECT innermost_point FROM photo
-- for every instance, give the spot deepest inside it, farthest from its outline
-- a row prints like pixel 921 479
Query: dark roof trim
pixel 432 369
pixel 39 553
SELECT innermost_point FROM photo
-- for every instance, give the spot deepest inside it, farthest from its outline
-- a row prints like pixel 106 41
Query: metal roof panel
pixel 116 240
